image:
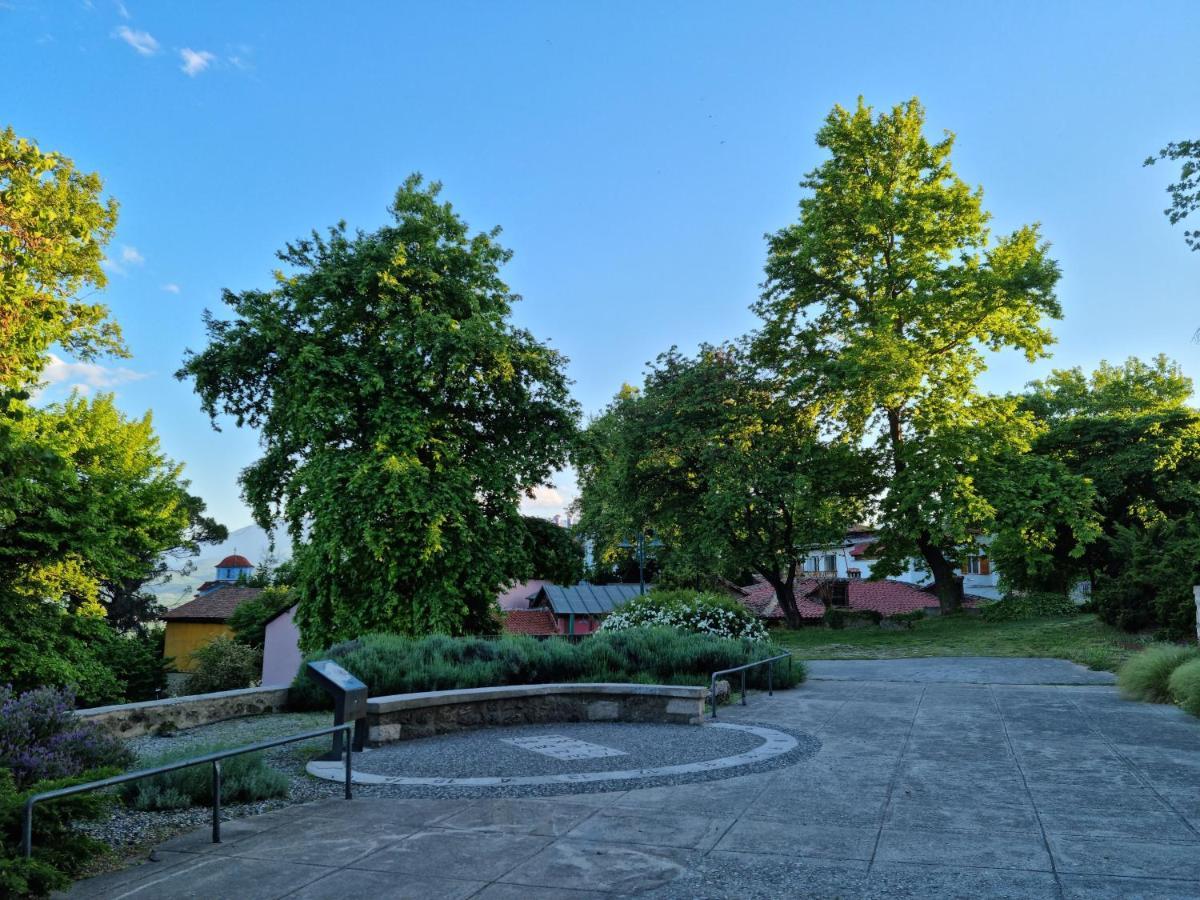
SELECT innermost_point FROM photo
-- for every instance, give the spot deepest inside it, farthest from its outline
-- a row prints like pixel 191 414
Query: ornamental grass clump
pixel 1184 686
pixel 1147 675
pixel 693 611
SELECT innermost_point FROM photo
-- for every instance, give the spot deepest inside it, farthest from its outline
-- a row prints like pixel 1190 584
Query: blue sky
pixel 634 153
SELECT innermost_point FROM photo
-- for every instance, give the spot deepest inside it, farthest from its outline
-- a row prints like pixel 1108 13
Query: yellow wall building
pixel 197 622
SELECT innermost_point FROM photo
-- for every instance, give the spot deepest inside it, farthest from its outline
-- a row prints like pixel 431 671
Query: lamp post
pixel 640 546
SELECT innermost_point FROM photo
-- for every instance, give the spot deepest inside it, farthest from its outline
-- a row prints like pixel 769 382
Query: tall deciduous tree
pixel 402 417
pixel 53 228
pixel 555 553
pixel 880 302
pixel 730 473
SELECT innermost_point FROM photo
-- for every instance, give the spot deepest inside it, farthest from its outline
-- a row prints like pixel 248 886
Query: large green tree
pixel 729 473
pixel 555 553
pixel 880 303
pixel 88 501
pixel 53 228
pixel 402 416
pixel 1127 434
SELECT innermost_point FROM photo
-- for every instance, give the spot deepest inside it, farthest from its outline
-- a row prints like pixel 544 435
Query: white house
pixel 853 559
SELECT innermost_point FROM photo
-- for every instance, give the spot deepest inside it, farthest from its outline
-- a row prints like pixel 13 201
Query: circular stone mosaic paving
pixel 570 758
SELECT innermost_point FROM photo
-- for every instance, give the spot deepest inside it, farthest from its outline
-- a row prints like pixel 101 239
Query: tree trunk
pixel 945 583
pixel 785 593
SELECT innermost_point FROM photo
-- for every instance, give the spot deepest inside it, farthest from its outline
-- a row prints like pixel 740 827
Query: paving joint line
pixel 1137 772
pixel 887 800
pixel 1028 793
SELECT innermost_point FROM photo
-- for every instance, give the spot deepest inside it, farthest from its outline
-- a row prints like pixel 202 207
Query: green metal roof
pixel 585 599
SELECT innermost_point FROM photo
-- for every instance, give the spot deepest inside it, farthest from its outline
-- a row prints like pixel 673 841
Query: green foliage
pixel 1153 571
pixel 840 617
pixel 249 620
pixel 397 664
pixel 1184 193
pixel 1033 605
pixel 692 611
pixel 53 228
pixel 403 419
pixel 244 779
pixel 728 472
pixel 880 303
pixel 224 665
pixel 1184 687
pixel 1146 676
pixel 1126 439
pixel 555 554
pixel 137 661
pixel 59 850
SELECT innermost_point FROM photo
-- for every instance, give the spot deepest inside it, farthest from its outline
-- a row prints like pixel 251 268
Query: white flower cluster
pixel 700 618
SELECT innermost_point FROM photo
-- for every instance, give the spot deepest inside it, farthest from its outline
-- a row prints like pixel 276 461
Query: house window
pixel 977 565
pixel 821 563
pixel 854 573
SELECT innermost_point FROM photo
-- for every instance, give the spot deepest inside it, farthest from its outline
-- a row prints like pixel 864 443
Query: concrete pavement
pixel 922 787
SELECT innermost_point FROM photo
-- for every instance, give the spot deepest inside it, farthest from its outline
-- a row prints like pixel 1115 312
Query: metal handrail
pixel 769 663
pixel 214 758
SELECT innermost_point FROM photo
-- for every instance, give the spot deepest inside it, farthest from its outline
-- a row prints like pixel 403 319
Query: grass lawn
pixel 1082 639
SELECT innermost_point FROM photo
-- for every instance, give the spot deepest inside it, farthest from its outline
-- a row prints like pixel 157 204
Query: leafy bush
pixel 1150 580
pixel 244 779
pixel 395 664
pixel 249 620
pixel 224 665
pixel 1184 686
pixel 840 617
pixel 40 738
pixel 59 851
pixel 1146 675
pixel 1033 605
pixel 693 611
pixel 138 663
pixel 44 746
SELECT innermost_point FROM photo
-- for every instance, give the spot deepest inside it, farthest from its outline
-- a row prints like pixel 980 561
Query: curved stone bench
pixel 404 716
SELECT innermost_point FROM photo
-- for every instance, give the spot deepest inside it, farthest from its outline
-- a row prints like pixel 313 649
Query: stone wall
pixel 133 719
pixel 405 716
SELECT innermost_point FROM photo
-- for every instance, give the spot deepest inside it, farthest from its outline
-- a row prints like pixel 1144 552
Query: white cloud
pixel 545 500
pixel 171 287
pixel 85 377
pixel 195 61
pixel 111 265
pixel 130 255
pixel 122 11
pixel 141 41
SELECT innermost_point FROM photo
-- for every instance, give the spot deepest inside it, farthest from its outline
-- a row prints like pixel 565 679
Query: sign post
pixel 349 702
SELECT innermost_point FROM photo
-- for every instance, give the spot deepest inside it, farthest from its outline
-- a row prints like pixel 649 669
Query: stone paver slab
pixel 993 850
pixel 520 816
pixel 661 829
pixel 472 856
pixel 958 670
pixel 619 868
pixel 1119 856
pixel 386 886
pixel 824 841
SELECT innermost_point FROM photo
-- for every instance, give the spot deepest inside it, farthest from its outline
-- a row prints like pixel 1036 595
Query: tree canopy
pixel 879 305
pixel 402 417
pixel 727 471
pixel 555 553
pixel 53 228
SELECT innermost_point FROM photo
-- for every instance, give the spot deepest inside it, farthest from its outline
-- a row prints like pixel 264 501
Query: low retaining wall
pixel 405 716
pixel 133 719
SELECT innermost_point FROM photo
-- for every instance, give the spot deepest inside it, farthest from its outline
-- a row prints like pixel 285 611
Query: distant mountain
pixel 251 542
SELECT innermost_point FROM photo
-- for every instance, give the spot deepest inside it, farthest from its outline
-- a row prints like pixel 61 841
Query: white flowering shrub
pixel 691 611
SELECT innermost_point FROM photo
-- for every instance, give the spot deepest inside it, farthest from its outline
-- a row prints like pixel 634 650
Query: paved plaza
pixel 934 778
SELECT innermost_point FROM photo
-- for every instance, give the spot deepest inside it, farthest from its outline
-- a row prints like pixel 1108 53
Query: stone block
pixel 603 711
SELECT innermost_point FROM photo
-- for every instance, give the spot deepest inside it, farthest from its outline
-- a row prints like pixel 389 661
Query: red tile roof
pixel 530 621
pixel 215 606
pixel 859 550
pixel 236 561
pixel 887 597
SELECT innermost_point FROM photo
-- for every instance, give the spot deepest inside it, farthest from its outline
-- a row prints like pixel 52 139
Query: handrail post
pixel 27 829
pixel 216 801
pixel 743 687
pixel 771 678
pixel 348 743
pixel 713 692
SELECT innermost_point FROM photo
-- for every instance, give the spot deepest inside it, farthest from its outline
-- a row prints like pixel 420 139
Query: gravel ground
pixel 464 755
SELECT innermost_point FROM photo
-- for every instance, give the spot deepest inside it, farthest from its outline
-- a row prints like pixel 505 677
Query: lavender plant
pixel 42 738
